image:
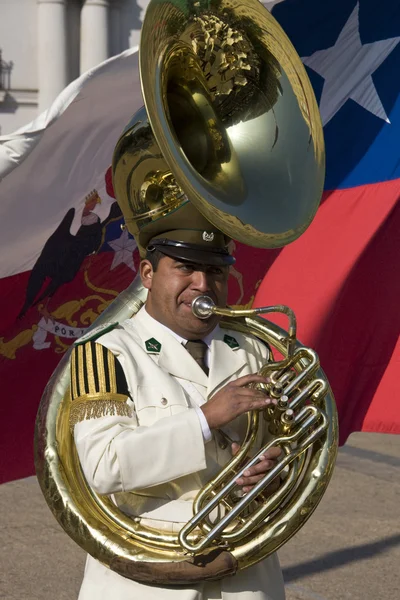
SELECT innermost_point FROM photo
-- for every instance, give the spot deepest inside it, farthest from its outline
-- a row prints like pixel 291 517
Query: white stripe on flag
pixel 61 157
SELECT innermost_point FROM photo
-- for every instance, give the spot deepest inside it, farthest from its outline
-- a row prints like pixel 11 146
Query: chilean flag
pixel 64 256
pixel 342 276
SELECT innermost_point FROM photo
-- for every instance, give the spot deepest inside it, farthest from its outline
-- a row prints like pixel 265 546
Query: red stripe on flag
pixel 341 279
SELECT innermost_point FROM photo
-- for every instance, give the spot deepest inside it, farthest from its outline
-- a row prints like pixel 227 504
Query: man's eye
pixel 186 268
pixel 216 271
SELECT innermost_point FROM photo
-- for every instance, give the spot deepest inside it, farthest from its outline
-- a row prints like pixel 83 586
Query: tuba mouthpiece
pixel 202 307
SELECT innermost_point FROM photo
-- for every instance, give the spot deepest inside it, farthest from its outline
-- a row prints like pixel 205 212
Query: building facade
pixel 46 44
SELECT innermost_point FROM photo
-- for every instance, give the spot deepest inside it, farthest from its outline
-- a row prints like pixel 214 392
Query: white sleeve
pixel 118 455
pixel 207 435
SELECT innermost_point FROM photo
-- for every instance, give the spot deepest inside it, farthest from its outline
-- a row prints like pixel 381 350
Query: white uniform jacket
pixel 155 461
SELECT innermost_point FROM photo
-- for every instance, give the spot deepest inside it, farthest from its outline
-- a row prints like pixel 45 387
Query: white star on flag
pixel 347 68
pixel 123 248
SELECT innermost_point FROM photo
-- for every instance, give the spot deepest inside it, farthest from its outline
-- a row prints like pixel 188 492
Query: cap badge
pixel 208 237
pixel 153 346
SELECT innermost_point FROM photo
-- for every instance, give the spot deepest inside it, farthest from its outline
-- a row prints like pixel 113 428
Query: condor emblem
pixel 153 346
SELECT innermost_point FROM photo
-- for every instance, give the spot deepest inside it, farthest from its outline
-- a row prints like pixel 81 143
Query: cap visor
pixel 201 257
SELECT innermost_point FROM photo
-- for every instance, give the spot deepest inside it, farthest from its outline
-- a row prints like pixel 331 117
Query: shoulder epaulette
pixel 95 333
pixel 98 383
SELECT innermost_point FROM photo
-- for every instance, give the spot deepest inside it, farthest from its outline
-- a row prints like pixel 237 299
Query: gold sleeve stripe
pixel 80 370
pixel 74 386
pixel 112 376
pixel 90 369
pixel 101 374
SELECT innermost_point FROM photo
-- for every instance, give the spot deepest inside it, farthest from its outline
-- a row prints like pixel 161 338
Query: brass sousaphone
pixel 231 129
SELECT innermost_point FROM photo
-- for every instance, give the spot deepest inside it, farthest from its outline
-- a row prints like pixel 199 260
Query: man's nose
pixel 200 281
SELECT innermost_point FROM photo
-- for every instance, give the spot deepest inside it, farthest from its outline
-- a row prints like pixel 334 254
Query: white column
pixel 74 37
pixel 52 50
pixel 94 33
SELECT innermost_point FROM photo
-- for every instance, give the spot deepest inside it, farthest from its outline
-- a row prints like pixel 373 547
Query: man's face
pixel 173 287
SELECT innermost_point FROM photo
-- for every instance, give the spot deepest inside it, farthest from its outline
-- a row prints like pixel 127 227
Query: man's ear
pixel 146 273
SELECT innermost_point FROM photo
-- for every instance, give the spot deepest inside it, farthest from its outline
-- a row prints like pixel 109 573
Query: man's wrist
pixel 205 428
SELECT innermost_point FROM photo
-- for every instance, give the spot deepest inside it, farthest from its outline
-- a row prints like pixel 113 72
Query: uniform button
pixel 164 401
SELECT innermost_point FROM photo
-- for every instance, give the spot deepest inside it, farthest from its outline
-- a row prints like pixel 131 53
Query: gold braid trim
pixel 96 389
pixel 99 406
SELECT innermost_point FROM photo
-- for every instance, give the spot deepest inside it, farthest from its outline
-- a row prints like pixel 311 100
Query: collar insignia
pixel 231 342
pixel 153 346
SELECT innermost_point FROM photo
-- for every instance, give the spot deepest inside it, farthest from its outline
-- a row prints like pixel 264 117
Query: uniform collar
pixel 166 348
pixel 172 356
pixel 207 339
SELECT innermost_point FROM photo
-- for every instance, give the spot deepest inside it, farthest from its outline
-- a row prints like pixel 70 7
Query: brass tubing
pixel 309 390
pixel 309 421
pixel 203 307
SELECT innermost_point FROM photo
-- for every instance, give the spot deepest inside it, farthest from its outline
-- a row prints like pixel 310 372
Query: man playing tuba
pixel 229 146
pixel 159 403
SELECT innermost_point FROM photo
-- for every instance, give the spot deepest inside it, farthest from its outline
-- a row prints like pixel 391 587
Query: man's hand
pixel 235 399
pixel 254 474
